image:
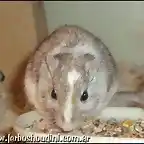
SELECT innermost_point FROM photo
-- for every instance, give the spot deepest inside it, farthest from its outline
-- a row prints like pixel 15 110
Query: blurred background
pixel 119 24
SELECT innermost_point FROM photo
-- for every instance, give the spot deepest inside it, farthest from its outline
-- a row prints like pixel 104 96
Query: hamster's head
pixel 70 91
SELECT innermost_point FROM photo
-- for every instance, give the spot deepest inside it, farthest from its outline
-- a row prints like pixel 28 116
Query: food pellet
pixel 127 123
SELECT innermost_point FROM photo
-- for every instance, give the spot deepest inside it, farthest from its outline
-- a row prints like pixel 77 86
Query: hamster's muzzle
pixel 65 126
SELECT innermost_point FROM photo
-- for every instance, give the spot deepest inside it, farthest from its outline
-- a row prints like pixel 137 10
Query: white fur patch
pixel 72 77
pixel 84 49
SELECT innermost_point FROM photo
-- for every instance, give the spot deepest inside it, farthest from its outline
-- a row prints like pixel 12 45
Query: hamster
pixel 2 76
pixel 131 86
pixel 72 72
pixel 131 77
pixel 127 99
pixel 6 111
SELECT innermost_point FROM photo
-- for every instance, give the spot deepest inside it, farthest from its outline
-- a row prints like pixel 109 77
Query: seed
pixel 142 124
pixel 97 130
pixel 139 129
pixel 127 123
pixel 112 121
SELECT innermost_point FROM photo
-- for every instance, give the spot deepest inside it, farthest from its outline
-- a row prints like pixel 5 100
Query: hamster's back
pixel 68 37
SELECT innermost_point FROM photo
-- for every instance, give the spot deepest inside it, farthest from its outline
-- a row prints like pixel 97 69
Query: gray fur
pixel 67 48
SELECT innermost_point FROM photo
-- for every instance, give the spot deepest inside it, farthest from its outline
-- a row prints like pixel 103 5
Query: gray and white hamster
pixel 73 73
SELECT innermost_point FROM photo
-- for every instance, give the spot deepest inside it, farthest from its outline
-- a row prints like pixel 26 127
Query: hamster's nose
pixel 65 126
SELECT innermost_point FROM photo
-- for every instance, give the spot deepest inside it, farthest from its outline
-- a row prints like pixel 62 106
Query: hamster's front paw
pixel 42 125
pixel 48 126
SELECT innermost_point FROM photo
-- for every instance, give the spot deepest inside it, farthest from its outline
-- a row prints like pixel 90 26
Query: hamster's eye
pixel 84 96
pixel 53 94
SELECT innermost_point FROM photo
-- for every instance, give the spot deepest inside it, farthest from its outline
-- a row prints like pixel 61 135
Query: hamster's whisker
pixel 48 68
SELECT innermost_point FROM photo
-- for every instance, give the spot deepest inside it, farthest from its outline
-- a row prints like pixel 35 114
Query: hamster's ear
pixel 89 62
pixel 63 57
pixel 84 59
pixel 88 57
pixel 80 60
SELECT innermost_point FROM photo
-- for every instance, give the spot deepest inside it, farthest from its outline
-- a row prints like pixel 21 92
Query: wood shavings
pixel 98 127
